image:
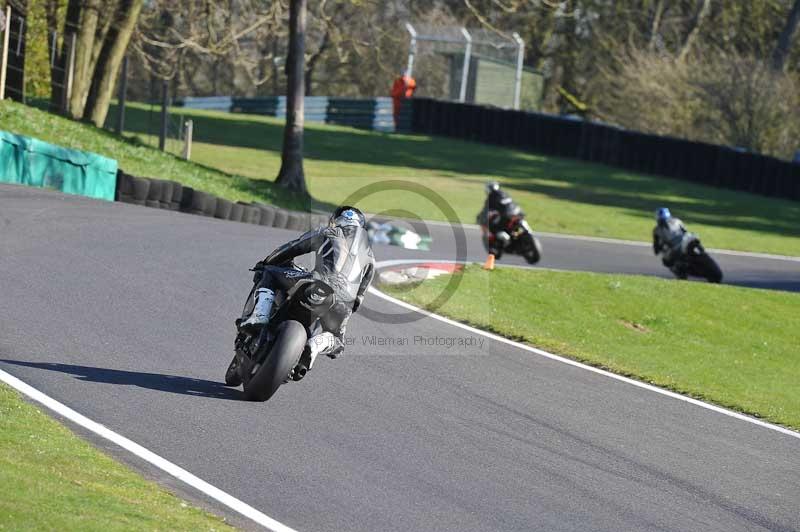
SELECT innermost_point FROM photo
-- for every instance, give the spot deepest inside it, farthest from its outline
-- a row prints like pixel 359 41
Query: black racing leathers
pixel 498 210
pixel 344 261
pixel 667 238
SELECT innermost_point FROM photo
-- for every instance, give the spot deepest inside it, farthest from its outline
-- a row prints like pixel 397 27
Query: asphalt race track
pixel 125 314
pixel 574 253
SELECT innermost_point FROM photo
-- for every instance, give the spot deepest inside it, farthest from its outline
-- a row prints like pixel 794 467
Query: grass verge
pixel 53 480
pixel 137 158
pixel 559 195
pixel 736 347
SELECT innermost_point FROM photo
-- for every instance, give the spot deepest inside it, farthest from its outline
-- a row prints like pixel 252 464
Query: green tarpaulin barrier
pixel 29 161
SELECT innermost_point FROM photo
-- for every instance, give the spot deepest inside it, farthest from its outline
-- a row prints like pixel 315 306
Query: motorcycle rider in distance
pixel 668 235
pixel 344 261
pixel 495 215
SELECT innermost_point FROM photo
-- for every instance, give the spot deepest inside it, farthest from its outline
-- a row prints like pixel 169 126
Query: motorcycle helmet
pixel 663 214
pixel 492 186
pixel 347 216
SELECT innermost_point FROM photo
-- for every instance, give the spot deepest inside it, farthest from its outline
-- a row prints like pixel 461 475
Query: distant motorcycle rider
pixel 668 236
pixel 344 261
pixel 495 215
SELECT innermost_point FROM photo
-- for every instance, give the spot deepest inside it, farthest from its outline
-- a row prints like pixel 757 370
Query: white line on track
pixel 145 454
pixel 551 356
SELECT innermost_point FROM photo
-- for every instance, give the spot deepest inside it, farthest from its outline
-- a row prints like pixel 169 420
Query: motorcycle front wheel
pixel 283 357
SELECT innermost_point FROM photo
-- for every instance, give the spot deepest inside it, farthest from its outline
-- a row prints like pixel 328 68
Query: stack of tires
pixel 165 194
pixel 156 193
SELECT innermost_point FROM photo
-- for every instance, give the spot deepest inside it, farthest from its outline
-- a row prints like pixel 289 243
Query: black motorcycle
pixel 694 261
pixel 277 353
pixel 516 238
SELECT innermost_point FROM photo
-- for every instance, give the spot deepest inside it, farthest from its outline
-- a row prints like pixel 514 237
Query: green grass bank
pixel 53 480
pixel 559 195
pixel 237 157
pixel 736 347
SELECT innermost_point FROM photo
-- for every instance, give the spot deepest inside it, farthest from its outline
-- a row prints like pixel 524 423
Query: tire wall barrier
pixel 708 164
pixel 170 195
pixel 32 162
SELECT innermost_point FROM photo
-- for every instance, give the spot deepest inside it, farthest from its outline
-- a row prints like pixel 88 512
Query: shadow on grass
pixel 562 179
pixel 767 217
pixel 341 143
pixel 152 381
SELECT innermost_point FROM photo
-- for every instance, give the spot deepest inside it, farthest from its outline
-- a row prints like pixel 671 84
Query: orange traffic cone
pixel 489 264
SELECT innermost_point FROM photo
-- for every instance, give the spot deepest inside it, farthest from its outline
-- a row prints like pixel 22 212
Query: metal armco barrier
pixel 370 113
pixel 707 164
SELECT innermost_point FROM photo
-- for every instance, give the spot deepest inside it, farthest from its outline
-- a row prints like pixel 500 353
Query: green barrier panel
pixel 29 161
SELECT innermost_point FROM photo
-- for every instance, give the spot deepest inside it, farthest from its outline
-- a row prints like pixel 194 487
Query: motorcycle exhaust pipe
pixel 299 372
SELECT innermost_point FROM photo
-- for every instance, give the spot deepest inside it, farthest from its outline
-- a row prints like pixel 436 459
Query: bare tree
pixel 694 30
pixel 291 174
pixel 89 15
pixel 722 99
pixel 781 51
pixel 109 60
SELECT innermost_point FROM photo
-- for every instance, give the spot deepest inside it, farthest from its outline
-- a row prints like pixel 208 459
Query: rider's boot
pixel 326 344
pixel 261 310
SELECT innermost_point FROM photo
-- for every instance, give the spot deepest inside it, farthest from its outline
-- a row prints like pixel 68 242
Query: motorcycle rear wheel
pixel 283 357
pixel 531 248
pixel 704 266
pixel 232 377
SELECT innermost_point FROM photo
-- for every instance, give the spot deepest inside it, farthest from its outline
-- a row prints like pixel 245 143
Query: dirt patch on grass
pixel 632 325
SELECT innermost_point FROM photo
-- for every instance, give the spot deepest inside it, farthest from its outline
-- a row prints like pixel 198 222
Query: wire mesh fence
pixel 473 66
pixel 175 131
pixel 13 53
pixel 61 68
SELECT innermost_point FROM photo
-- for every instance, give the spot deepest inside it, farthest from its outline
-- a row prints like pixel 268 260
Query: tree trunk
pixel 83 57
pixel 105 20
pixel 694 30
pixel 59 72
pixel 109 60
pixel 781 51
pixel 291 174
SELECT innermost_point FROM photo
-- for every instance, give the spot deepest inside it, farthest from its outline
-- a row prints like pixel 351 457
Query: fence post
pixel 4 60
pixel 412 49
pixel 67 92
pixel 518 77
pixel 123 89
pixel 162 135
pixel 465 69
pixel 187 148
pixel 53 48
pixel 21 34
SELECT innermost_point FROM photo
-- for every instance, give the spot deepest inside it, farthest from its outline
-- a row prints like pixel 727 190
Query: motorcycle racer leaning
pixel 344 261
pixel 668 235
pixel 495 215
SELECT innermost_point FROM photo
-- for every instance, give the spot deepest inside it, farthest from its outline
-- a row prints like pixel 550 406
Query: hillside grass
pixel 52 480
pixel 736 347
pixel 137 158
pixel 237 157
pixel 559 195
